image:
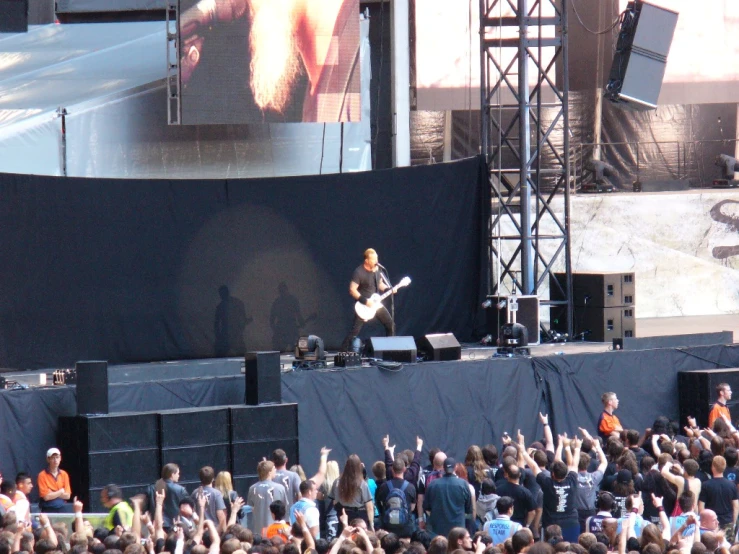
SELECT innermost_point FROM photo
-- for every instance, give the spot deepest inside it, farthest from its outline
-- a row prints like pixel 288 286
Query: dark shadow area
pixel 229 325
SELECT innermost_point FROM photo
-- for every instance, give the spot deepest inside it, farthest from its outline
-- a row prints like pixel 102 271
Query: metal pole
pixel 566 108
pixel 524 142
pixel 62 112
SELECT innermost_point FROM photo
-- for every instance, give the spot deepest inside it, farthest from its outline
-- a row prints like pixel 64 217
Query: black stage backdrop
pixel 450 404
pixel 136 270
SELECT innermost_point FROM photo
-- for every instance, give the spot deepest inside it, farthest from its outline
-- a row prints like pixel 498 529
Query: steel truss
pixel 173 63
pixel 525 138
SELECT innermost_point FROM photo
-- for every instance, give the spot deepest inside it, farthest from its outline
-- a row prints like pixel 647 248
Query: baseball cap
pixel 449 464
pixel 51 451
pixel 624 476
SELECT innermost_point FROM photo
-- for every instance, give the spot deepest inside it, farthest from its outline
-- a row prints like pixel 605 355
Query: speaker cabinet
pixel 596 324
pixel 263 380
pixel 595 289
pixel 697 392
pixel 194 426
pixel 641 56
pixel 527 315
pixel 92 387
pixel 117 448
pixel 440 347
pixel 258 430
pixel 393 349
pixel 261 423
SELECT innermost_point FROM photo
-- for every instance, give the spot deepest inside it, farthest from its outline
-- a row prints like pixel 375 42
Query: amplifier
pixel 347 359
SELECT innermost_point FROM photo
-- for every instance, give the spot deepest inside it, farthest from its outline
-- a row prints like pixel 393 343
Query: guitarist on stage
pixel 366 281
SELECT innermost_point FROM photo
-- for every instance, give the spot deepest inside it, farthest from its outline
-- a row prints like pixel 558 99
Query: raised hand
pixel 656 500
pixel 78 506
pixel 544 419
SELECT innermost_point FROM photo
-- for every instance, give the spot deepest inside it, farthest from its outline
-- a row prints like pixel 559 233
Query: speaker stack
pixel 603 305
pixel 129 449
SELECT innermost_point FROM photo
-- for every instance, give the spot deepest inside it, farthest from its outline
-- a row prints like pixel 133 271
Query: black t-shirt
pixel 717 495
pixel 368 281
pixel 560 507
pixel 732 474
pixel 523 501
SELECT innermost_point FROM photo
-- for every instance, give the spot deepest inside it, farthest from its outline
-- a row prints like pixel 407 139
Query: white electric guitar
pixel 366 313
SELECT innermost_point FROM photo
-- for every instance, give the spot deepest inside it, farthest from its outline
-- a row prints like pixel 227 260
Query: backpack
pixel 397 512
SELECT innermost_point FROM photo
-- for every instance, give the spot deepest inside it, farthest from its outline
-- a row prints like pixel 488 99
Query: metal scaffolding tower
pixel 525 138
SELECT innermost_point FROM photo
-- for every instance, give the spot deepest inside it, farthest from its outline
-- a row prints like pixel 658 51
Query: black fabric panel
pixel 645 382
pixel 450 404
pixel 131 270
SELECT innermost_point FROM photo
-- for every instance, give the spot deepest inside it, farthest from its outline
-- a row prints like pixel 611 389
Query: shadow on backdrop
pixel 230 322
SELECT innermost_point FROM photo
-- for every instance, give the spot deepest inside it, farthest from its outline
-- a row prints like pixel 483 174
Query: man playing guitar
pixel 367 280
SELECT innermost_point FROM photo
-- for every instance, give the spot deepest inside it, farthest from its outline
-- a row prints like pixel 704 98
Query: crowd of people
pixel 668 490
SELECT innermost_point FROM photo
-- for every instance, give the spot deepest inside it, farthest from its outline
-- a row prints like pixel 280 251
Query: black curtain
pixel 127 270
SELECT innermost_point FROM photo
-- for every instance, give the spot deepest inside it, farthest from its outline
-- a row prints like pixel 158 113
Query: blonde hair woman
pixel 224 483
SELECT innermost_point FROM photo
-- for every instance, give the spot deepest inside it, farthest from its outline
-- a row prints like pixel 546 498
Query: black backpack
pixel 397 512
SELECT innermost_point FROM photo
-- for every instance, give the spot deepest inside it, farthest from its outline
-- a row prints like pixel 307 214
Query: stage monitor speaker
pixel 393 349
pixel 263 379
pixel 527 315
pixel 440 347
pixel 13 16
pixel 641 56
pixel 696 392
pixel 92 387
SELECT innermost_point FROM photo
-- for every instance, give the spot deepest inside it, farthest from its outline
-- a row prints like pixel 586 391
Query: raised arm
pixel 236 505
pixel 215 539
pixel 664 521
pixel 602 460
pixel 79 523
pixel 48 531
pixel 548 438
pixel 525 455
pixel 389 452
pixel 136 521
pixel 572 464
pixel 159 497
pixel 320 477
pixel 310 542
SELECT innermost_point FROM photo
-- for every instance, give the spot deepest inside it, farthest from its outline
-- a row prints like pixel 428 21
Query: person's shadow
pixel 286 319
pixel 230 322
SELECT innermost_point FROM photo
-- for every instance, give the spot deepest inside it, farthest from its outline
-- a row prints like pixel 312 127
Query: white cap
pixel 51 451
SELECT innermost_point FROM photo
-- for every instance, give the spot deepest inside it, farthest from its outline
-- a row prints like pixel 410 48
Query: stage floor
pixel 179 369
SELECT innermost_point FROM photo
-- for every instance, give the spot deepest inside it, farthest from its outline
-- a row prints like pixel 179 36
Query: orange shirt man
pixel 720 409
pixel 53 485
pixel 608 424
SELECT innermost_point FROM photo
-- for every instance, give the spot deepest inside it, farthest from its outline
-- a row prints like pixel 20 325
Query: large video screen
pixel 268 61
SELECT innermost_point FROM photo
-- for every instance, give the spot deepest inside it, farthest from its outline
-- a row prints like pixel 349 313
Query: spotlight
pixel 310 348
